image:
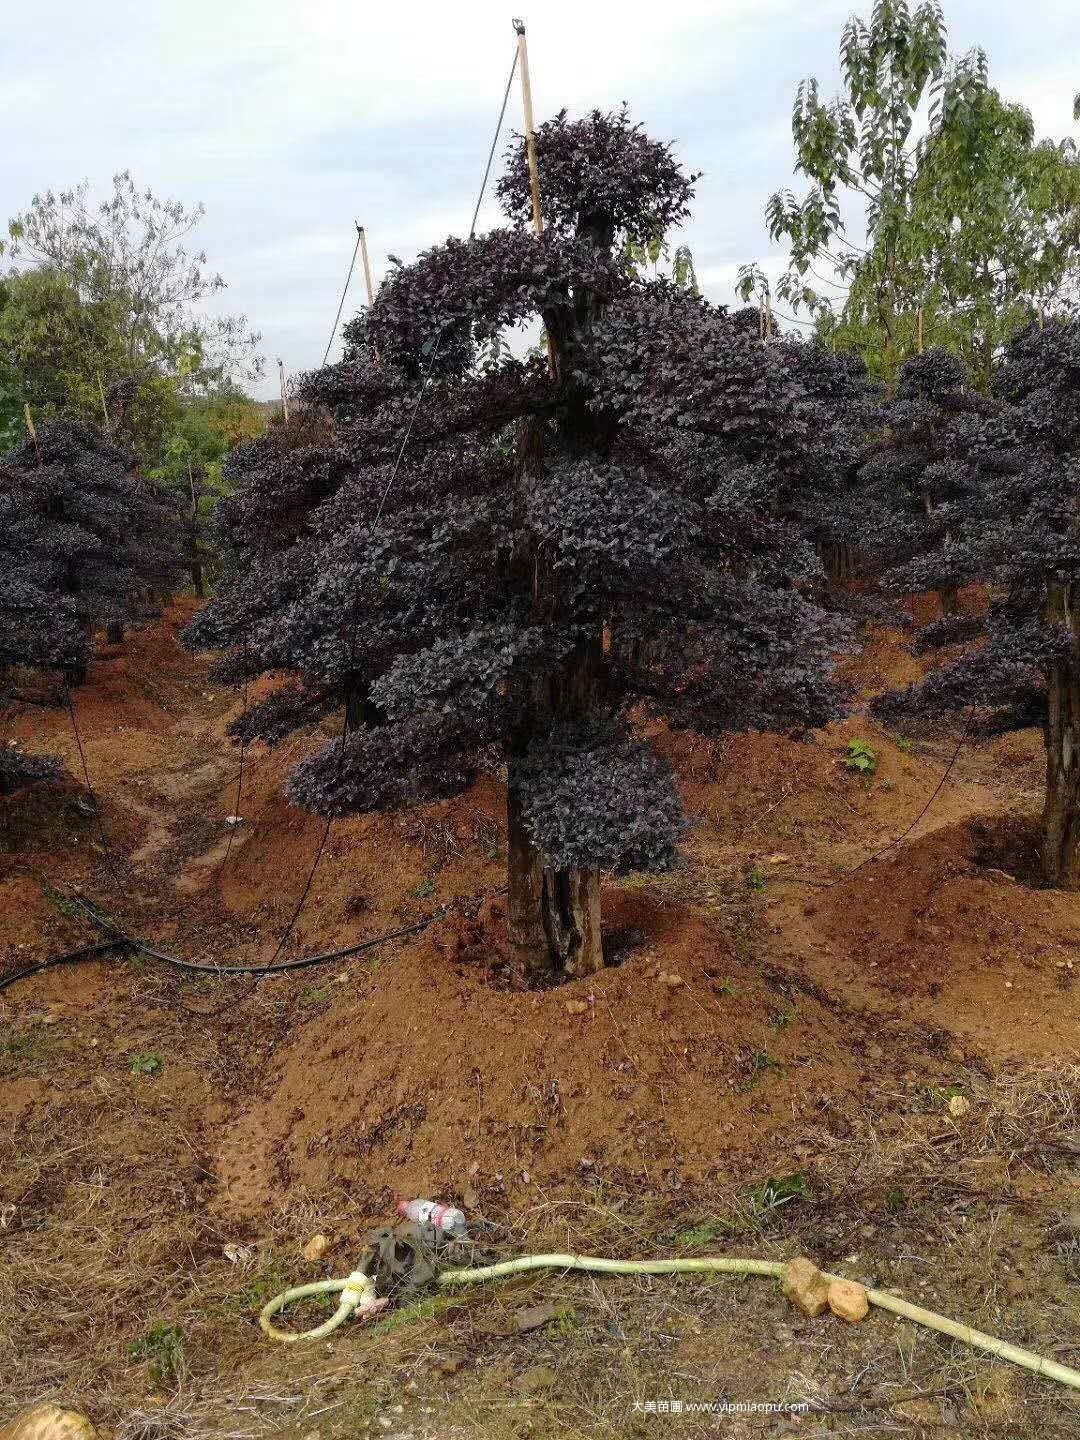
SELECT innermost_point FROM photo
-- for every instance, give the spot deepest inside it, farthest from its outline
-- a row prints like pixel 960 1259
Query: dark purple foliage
pixel 914 479
pixel 82 539
pixel 19 770
pixel 1010 501
pixel 554 555
pixel 601 176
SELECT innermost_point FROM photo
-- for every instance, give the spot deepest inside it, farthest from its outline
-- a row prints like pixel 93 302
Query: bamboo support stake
pixel 284 395
pixel 530 150
pixel 367 265
pixel 30 422
pixel 530 129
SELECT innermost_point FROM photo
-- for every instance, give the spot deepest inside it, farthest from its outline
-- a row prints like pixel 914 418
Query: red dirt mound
pixel 936 929
pixel 419 1076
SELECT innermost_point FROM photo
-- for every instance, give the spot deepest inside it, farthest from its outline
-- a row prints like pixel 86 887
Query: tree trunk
pixel 553 916
pixel 950 600
pixel 361 712
pixel 1061 814
pixel 840 559
pixel 114 632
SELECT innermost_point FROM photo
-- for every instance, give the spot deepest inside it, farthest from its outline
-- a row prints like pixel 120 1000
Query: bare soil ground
pixel 765 1068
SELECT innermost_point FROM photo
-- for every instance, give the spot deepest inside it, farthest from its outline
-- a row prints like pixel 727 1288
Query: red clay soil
pixel 758 987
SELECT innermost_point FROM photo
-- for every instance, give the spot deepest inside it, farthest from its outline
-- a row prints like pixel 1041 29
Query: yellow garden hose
pixel 358 1295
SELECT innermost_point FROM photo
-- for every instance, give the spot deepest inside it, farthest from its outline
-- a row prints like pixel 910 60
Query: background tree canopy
pixel 956 231
pixel 101 315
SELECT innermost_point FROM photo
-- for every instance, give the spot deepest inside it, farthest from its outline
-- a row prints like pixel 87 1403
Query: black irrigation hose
pixel 124 942
pixel 72 957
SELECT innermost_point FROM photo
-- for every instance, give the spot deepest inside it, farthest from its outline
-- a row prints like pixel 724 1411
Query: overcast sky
pixel 289 121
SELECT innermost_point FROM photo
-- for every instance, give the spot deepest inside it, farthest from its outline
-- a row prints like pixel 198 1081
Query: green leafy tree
pixel 102 314
pixel 191 468
pixel 970 228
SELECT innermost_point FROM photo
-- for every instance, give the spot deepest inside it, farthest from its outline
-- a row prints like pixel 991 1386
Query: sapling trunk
pixel 1061 813
pixel 840 559
pixel 950 600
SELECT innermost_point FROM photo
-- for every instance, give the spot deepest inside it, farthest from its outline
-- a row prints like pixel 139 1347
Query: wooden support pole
pixel 530 150
pixel 284 394
pixel 30 422
pixel 367 265
pixel 530 129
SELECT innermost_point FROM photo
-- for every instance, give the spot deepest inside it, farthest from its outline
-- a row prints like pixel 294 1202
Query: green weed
pixel 861 757
pixel 761 1063
pixel 696 1237
pixel 316 994
pixel 163 1347
pixel 146 1062
pixel 756 880
pixel 776 1192
pixel 21 1049
pixel 268 1280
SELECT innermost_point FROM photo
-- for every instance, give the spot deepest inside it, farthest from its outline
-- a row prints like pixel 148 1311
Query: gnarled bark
pixel 1061 813
pixel 553 916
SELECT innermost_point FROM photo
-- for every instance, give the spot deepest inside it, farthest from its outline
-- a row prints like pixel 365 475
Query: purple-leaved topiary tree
pixel 571 540
pixel 82 538
pixel 1012 519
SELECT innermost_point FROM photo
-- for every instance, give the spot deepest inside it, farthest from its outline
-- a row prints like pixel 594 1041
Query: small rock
pixel 234 819
pixel 534 1317
pixel 315 1248
pixel 805 1285
pixel 48 1422
pixel 236 1254
pixel 450 1364
pixel 576 1007
pixel 848 1299
pixel 672 981
pixel 959 1106
pixel 539 1377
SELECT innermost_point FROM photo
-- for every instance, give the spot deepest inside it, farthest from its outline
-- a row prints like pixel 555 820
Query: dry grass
pixel 100 1249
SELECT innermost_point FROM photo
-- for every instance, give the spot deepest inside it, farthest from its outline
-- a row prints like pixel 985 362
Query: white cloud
pixel 290 122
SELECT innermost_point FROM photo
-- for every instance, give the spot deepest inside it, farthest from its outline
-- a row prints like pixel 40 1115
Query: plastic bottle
pixel 442 1218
